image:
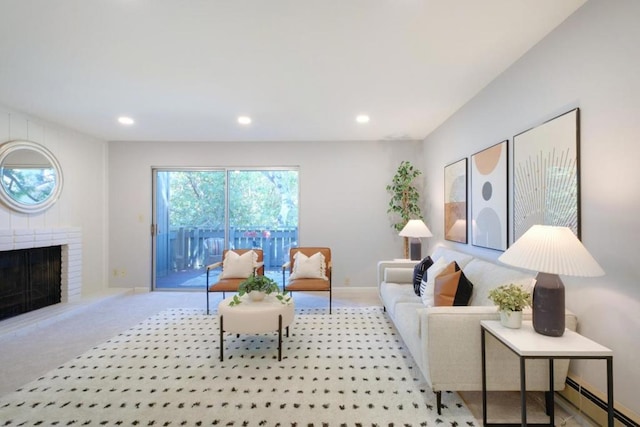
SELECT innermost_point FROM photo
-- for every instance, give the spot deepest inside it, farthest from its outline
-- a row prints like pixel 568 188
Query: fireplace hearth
pixel 69 243
pixel 30 279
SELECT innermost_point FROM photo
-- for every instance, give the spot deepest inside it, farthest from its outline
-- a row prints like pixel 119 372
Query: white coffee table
pixel 255 317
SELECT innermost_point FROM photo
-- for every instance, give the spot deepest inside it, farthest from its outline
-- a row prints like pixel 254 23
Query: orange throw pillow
pixel 451 287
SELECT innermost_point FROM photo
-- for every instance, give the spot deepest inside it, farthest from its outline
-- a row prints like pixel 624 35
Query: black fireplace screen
pixel 29 280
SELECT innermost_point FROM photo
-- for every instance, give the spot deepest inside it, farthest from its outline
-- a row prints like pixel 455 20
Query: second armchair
pixel 309 270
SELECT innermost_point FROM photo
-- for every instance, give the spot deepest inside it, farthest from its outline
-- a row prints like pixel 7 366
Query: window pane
pixel 190 218
pixel 263 213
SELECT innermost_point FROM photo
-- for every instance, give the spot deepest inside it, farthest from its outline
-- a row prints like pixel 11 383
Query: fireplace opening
pixel 29 279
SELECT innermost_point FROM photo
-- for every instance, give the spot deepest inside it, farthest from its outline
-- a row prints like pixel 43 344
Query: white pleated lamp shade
pixel 415 228
pixel 553 250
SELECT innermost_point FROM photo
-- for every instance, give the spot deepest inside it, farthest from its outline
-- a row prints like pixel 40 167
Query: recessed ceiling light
pixel 244 120
pixel 362 118
pixel 128 121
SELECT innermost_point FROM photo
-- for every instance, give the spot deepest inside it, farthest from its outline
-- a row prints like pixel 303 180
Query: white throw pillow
pixel 425 276
pixel 312 267
pixel 428 288
pixel 235 266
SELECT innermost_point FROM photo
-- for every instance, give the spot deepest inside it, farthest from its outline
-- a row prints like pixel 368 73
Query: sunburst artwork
pixel 546 175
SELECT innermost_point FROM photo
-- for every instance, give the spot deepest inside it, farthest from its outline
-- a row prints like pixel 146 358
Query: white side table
pixel 255 317
pixel 528 344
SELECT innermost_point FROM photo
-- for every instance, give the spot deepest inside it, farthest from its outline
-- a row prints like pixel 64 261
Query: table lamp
pixel 550 250
pixel 415 229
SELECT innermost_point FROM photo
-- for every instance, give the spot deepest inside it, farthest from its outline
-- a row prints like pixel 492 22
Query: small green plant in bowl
pixel 257 287
pixel 511 300
pixel 510 297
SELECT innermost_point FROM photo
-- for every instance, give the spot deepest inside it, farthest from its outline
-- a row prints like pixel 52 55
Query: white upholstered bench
pixel 255 317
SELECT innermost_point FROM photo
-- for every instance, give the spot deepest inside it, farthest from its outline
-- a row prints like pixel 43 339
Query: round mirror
pixel 31 176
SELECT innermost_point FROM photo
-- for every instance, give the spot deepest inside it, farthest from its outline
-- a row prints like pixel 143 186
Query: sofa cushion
pixel 398 275
pixel 408 324
pixel 393 294
pixel 418 272
pixel 426 287
pixel 451 255
pixel 487 275
pixel 452 288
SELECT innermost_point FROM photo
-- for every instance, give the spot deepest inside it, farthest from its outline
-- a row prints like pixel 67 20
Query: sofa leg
pixel 439 402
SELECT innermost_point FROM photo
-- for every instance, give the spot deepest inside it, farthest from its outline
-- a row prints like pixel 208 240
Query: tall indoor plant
pixel 404 204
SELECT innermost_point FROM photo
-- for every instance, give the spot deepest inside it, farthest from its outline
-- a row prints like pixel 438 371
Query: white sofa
pixel 445 341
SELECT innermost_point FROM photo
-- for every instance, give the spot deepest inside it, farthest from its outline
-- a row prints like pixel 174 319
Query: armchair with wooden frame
pixel 230 283
pixel 302 278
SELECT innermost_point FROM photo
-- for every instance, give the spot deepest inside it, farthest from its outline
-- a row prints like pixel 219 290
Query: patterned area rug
pixel 345 369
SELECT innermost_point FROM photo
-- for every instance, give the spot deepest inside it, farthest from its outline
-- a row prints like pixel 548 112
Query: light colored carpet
pixel 347 369
pixel 35 343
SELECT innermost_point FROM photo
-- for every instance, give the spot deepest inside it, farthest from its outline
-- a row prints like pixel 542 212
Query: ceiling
pixel 184 70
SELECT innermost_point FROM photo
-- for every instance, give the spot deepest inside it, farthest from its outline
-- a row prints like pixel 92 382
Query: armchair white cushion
pixel 309 267
pixel 238 266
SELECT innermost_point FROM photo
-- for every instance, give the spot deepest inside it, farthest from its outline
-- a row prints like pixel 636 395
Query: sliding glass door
pixel 199 213
pixel 189 230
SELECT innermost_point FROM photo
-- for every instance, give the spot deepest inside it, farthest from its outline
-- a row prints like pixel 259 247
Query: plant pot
pixel 257 295
pixel 511 319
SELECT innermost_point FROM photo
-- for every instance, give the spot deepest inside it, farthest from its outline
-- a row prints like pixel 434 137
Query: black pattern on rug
pixel 346 369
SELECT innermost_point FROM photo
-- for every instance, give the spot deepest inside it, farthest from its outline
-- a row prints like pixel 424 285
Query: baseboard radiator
pixel 594 404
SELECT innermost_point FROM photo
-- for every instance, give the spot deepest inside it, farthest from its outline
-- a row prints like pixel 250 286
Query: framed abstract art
pixel 489 209
pixel 545 175
pixel 455 201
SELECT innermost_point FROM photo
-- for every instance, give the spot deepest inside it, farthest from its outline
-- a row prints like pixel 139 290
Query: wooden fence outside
pixel 189 248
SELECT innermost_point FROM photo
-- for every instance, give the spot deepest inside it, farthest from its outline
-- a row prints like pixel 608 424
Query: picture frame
pixel 489 197
pixel 455 201
pixel 546 171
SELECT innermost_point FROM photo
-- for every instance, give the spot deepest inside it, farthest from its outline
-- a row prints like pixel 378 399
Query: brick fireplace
pixel 70 241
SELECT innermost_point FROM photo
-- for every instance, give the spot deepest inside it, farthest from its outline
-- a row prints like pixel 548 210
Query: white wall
pixel 591 61
pixel 343 201
pixel 83 199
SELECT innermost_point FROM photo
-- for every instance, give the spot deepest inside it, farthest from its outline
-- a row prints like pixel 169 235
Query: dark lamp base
pixel 548 305
pixel 416 249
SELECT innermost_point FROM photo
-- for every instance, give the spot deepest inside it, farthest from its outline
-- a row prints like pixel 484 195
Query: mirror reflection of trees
pixel 29 186
pixel 30 176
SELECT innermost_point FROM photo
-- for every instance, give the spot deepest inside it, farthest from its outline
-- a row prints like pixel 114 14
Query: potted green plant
pixel 257 287
pixel 511 300
pixel 405 198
